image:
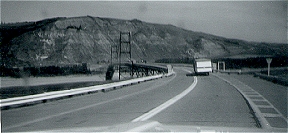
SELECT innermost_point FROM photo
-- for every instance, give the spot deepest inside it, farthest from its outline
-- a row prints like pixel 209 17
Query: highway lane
pixel 99 109
pixel 209 103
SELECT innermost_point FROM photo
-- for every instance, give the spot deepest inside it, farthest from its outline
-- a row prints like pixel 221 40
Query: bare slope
pixel 89 39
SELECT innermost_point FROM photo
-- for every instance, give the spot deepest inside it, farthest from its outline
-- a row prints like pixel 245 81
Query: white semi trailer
pixel 202 66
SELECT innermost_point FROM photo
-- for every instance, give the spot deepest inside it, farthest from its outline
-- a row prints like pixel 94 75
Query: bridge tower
pixel 114 54
pixel 125 51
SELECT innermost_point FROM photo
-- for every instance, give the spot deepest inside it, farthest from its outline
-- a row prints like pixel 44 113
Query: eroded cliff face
pixel 89 39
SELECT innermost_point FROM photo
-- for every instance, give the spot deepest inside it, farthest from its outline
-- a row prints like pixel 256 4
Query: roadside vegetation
pixel 277 76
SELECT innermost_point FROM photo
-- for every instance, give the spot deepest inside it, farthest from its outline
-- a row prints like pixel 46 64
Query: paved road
pixel 212 102
pixel 267 99
pixel 276 94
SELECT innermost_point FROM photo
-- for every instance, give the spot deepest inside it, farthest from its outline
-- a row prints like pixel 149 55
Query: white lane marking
pixel 85 107
pixel 264 123
pixel 186 70
pixel 168 103
pixel 252 103
pixel 144 127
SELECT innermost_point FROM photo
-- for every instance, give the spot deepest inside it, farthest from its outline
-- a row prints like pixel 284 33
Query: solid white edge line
pixel 168 103
pixel 142 128
pixel 263 122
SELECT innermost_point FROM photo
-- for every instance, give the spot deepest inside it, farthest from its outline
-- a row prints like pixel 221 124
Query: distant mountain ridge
pixel 88 39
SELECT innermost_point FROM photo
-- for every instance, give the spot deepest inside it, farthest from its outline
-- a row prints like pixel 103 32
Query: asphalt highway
pixel 174 100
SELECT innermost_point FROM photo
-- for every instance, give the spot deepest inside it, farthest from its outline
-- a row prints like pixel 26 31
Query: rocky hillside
pixel 88 40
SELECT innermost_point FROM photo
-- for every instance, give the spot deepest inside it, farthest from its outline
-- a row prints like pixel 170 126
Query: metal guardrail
pixel 19 101
pixel 138 69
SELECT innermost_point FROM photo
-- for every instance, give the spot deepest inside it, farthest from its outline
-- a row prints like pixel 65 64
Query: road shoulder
pixel 269 116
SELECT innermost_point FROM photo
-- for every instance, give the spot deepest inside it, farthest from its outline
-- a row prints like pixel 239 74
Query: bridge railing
pixel 136 69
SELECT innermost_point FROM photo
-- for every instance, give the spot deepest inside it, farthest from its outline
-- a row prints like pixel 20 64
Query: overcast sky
pixel 261 21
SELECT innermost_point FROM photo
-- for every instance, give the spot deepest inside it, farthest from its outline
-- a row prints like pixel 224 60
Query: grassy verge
pixel 276 76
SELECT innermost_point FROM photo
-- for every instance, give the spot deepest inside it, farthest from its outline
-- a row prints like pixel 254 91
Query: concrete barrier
pixel 170 70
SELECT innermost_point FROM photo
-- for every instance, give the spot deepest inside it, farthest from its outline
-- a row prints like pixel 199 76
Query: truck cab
pixel 202 66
